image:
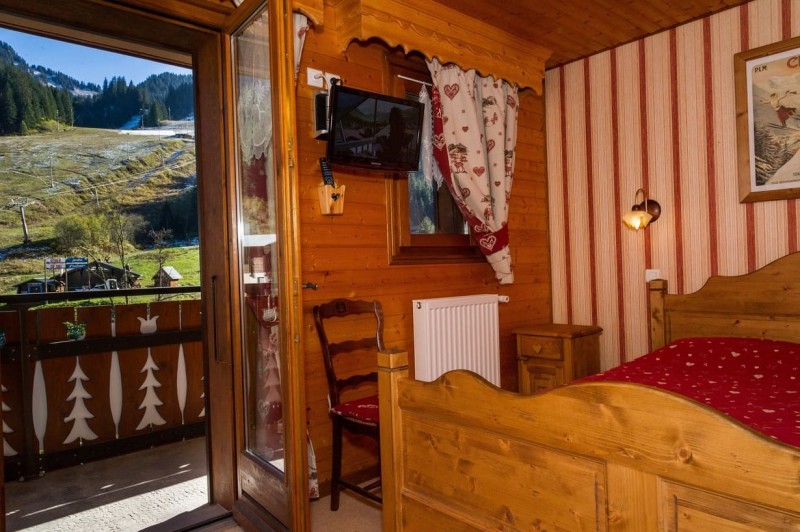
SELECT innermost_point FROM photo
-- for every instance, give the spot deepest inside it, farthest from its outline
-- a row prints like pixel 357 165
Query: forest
pixel 30 96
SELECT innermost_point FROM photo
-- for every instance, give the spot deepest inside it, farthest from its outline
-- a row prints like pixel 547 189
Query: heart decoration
pixel 488 242
pixel 497 183
pixel 464 128
pixel 489 144
pixel 438 141
pixel 465 192
pixel 451 90
pixel 537 348
pixel 479 170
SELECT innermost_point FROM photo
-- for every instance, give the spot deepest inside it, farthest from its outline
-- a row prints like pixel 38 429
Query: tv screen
pixel 372 130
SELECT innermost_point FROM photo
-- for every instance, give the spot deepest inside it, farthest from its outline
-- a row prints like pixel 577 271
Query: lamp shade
pixel 636 218
pixel 641 214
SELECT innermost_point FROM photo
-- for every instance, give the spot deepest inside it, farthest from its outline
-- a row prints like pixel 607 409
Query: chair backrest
pixel 340 308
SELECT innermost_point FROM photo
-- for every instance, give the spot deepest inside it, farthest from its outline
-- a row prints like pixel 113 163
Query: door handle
pixel 217 358
pixel 312 286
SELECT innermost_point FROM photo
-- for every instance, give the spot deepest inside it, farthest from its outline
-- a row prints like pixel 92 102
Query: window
pixel 425 225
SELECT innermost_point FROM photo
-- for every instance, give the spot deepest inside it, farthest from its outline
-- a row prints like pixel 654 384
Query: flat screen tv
pixel 375 131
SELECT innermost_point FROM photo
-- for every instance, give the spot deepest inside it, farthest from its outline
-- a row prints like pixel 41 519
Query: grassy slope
pixel 185 259
pixel 63 173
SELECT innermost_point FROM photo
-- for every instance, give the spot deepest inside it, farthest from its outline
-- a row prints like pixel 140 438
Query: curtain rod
pixel 414 80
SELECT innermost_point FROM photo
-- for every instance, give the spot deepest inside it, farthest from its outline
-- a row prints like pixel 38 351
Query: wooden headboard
pixel 761 304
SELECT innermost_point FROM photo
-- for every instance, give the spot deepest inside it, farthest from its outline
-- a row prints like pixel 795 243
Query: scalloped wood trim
pixel 313 9
pixel 435 30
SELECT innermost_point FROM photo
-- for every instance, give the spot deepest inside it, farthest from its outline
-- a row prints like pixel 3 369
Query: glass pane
pixel 432 210
pixel 258 244
pixel 421 205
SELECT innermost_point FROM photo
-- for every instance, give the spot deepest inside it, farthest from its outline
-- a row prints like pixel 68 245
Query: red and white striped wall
pixel 658 114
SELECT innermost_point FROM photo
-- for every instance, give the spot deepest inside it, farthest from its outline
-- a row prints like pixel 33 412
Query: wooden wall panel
pixel 347 255
pixel 660 115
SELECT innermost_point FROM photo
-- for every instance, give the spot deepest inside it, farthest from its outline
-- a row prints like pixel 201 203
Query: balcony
pixel 134 381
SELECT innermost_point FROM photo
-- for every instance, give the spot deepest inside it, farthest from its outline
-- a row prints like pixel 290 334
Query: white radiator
pixel 457 333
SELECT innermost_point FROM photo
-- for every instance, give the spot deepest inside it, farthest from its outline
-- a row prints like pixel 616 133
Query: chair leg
pixel 337 463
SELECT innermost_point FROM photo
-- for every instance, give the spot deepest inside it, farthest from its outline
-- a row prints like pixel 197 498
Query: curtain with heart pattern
pixel 474 138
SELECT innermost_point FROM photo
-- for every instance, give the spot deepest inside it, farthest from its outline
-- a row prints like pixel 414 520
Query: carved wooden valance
pixel 435 30
pixel 313 9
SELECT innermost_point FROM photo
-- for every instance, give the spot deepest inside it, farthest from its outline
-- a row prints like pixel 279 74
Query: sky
pixel 81 62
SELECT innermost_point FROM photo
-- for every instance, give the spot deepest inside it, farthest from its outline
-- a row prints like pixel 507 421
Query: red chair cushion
pixel 359 410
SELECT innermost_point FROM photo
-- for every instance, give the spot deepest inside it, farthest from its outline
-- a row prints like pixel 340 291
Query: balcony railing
pixel 135 381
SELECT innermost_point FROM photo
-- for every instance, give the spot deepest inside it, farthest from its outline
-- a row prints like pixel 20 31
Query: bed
pixel 460 454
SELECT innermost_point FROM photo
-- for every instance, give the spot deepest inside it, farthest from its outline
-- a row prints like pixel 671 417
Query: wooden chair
pixel 359 415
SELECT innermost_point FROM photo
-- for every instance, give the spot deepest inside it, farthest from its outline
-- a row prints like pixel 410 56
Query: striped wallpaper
pixel 658 114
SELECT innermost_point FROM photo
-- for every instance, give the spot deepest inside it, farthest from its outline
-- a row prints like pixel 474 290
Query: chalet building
pixel 39 286
pixel 98 274
pixel 614 106
pixel 167 276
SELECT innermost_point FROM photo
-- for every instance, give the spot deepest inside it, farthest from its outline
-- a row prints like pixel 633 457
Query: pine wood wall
pixel 346 256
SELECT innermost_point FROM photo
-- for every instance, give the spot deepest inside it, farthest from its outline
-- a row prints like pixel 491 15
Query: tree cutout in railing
pixel 151 401
pixel 39 405
pixel 203 398
pixel 115 384
pixel 181 383
pixel 147 326
pixel 7 449
pixel 270 406
pixel 80 428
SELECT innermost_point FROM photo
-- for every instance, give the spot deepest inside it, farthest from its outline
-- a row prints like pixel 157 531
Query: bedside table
pixel 552 354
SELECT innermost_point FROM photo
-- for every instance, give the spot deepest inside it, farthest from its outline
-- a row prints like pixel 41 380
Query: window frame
pixel 404 247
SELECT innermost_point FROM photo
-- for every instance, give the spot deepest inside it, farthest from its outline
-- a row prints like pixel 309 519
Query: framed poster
pixel 768 121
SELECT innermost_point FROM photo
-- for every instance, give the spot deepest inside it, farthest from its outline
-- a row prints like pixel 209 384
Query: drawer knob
pixel 537 348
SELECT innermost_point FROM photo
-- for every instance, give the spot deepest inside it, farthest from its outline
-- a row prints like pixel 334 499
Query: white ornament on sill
pixel 151 401
pixel 7 449
pixel 80 428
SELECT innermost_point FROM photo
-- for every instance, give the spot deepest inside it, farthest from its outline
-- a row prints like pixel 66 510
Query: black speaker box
pixel 321 115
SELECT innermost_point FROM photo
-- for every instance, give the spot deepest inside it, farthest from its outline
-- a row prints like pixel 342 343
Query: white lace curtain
pixel 474 138
pixel 255 107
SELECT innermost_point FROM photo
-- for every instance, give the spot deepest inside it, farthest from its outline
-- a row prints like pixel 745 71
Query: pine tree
pixel 7 449
pixel 151 402
pixel 80 429
pixel 8 110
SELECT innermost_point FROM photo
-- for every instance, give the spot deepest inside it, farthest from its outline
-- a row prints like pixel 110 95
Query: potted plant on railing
pixel 75 331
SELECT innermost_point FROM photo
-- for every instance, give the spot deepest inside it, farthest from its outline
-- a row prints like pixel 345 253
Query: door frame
pixel 120 28
pixel 293 489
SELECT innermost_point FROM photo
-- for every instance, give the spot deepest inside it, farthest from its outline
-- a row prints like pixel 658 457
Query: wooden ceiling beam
pixel 208 13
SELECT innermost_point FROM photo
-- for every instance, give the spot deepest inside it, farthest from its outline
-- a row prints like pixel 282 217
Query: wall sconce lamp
pixel 642 213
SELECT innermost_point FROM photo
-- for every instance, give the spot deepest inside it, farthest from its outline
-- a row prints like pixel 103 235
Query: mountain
pixel 61 80
pixel 168 96
pixel 46 76
pixel 9 55
pixel 161 97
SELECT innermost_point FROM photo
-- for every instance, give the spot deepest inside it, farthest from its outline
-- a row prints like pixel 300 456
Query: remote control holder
pixel 331 199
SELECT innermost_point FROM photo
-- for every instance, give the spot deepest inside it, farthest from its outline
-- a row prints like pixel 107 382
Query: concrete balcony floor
pixel 124 493
pixel 137 490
